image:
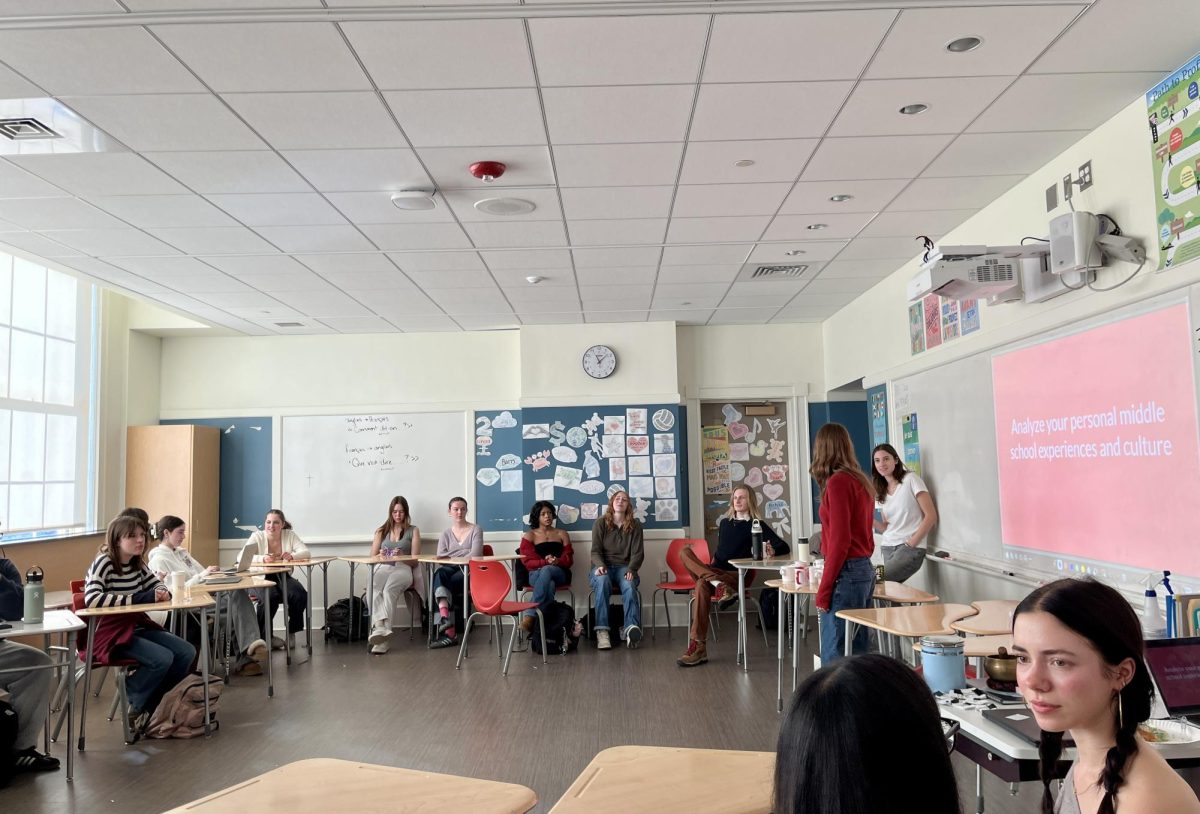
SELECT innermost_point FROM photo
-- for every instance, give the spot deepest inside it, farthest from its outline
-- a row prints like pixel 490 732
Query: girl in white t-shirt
pixel 907 510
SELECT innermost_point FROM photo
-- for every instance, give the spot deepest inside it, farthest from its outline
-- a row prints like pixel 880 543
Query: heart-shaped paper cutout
pixel 754 478
pixel 637 444
pixel 738 430
pixel 773 490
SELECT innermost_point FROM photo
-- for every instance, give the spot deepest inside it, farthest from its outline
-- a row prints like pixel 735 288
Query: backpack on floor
pixel 8 742
pixel 768 600
pixel 180 714
pixel 561 630
pixel 348 621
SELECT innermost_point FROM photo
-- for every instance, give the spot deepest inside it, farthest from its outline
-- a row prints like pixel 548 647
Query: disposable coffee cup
pixel 176 582
pixel 803 554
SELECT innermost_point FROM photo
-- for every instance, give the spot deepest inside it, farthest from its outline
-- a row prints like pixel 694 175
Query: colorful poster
pixel 950 328
pixel 1173 116
pixel 715 460
pixel 933 321
pixel 969 316
pixel 877 411
pixel 916 328
pixel 912 444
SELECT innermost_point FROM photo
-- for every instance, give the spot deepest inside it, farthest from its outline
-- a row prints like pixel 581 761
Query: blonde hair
pixel 751 505
pixel 608 521
pixel 833 452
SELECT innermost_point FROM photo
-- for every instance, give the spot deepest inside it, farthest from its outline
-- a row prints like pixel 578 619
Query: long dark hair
pixel 125 525
pixel 879 481
pixel 282 518
pixel 167 524
pixel 1101 615
pixel 836 754
pixel 833 452
pixel 535 514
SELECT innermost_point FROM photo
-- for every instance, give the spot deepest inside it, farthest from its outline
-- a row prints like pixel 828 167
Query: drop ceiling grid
pixel 587 77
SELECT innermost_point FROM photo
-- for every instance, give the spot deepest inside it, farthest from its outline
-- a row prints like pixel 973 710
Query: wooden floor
pixel 539 727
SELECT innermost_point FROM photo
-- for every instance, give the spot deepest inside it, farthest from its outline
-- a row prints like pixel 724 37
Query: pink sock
pixel 443 611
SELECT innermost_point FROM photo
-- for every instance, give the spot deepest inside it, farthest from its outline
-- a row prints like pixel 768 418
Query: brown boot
pixel 696 653
pixel 527 625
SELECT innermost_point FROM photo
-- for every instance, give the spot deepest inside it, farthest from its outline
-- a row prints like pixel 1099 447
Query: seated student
pixel 1079 666
pixel 119 577
pixel 29 689
pixel 717 581
pixel 277 542
pixel 169 556
pixel 547 554
pixel 462 539
pixel 837 744
pixel 396 537
pixel 617 554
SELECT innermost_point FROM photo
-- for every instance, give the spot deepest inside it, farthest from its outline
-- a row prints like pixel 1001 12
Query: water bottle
pixel 756 548
pixel 35 596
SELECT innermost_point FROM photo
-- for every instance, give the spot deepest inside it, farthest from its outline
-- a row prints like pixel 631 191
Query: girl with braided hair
pixel 1080 668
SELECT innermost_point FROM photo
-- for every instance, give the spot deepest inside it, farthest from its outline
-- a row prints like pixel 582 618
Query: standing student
pixel 395 538
pixel 617 555
pixel 847 539
pixel 718 581
pixel 170 555
pixel 1080 668
pixel 907 510
pixel 462 539
pixel 278 542
pixel 28 688
pixel 119 577
pixel 837 744
pixel 547 555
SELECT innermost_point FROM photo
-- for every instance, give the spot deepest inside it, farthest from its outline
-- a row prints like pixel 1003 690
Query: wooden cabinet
pixel 176 469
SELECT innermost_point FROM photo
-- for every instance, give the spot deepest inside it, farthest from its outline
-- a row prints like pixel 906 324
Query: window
pixel 46 365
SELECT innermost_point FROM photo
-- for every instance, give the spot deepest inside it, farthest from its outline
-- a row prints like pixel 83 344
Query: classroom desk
pixel 909 621
pixel 198 601
pixel 373 563
pixel 59 600
pixel 652 779
pixel 54 622
pixel 320 785
pixel 742 566
pixel 248 582
pixel 432 563
pixel 284 567
pixel 994 617
pixel 797 592
pixel 897 593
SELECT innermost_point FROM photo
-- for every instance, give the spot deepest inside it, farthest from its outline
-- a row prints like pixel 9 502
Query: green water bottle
pixel 35 596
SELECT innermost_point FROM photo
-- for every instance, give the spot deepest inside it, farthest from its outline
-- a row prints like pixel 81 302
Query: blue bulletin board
pixel 576 457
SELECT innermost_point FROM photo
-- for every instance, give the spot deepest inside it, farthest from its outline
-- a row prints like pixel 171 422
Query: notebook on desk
pixel 548 549
pixel 1175 666
pixel 1020 722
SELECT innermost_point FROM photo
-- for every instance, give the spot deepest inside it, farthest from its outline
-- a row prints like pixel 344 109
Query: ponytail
pixel 1049 750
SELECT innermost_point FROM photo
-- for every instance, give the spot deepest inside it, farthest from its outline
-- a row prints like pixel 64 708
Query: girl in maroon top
pixel 547 554
pixel 847 538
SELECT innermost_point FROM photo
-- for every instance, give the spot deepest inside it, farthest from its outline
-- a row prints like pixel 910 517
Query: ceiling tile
pixel 616 114
pixel 266 56
pixel 1062 101
pixel 810 251
pixel 392 280
pixel 328 264
pixel 715 162
pixel 397 237
pixel 465 118
pixel 753 301
pixel 618 50
pixel 617 165
pixel 690 290
pixel 455 301
pixel 518 278
pixel 255 265
pixel 623 231
pixel 625 297
pixel 192 5
pixel 249 305
pixel 793 46
pixel 722 200
pixel 398 306
pixel 17 183
pixel 768 110
pixel 38 245
pixel 873 157
pixel 679 275
pixel 162 267
pixel 434 54
pixel 685 301
pixel 444 279
pixel 683 316
pixel 1001 153
pixel 873 109
pixel 525 166
pixel 715 230
pixel 360 325
pixel 623 275
pixel 813 197
pixel 593 258
pixel 557 318
pixel 167 122
pixel 328 303
pixel 230 172
pixel 1012 37
pixel 318 121
pixel 795 227
pixel 100 174
pixel 838 285
pixel 148 211
pixel 359 170
pixel 463 201
pixel 813 299
pixel 279 209
pixel 12 86
pixel 601 317
pixel 874 269
pixel 487 322
pixel 206 283
pixel 952 193
pixel 120 59
pixel 25 8
pixel 1100 41
pixel 218 240
pixel 55 213
pixel 705 255
pixel 377 207
pixel 910 224
pixel 541 259
pixel 777 291
pixel 518 234
pixel 422 324
pixel 879 248
pixel 602 203
pixel 438 261
pixel 316 238
pixel 110 242
pixel 558 298
pixel 742 316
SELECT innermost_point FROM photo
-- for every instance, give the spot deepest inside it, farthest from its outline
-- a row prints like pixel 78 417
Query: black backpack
pixel 8 740
pixel 768 601
pixel 348 620
pixel 560 629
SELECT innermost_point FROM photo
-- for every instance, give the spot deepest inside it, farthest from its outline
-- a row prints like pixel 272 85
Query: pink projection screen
pixel 1096 440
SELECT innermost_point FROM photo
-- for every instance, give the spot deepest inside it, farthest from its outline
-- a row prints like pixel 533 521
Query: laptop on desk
pixel 1020 722
pixel 233 573
pixel 1175 667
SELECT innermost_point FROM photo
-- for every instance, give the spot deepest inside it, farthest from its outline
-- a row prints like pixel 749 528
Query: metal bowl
pixel 1001 667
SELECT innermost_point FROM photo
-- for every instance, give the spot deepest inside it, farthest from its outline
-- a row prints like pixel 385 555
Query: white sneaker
pixel 603 642
pixel 633 636
pixel 379 634
pixel 379 649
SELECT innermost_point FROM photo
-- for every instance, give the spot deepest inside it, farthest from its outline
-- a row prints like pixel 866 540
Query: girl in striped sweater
pixel 118 577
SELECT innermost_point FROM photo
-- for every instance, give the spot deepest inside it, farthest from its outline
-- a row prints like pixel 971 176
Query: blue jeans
pixel 602 587
pixel 543 581
pixel 853 589
pixel 163 660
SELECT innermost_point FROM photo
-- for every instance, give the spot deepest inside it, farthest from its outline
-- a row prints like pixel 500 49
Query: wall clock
pixel 599 361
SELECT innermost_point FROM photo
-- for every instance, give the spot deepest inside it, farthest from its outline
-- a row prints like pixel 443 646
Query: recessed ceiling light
pixel 914 109
pixel 817 226
pixel 963 44
pixel 745 162
pixel 534 279
pixel 794 252
pixel 413 199
pixel 840 197
pixel 505 206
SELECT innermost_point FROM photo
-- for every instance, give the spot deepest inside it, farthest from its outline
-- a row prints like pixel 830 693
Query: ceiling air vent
pixel 289 325
pixel 25 129
pixel 778 272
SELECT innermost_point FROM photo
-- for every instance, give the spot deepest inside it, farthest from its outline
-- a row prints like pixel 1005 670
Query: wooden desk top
pixel 432 560
pixel 993 618
pixel 902 594
pixel 58 600
pixel 311 561
pixel 53 621
pixel 976 647
pixel 634 779
pixel 248 581
pixel 807 588
pixel 909 620
pixel 198 600
pixel 768 564
pixel 379 559
pixel 323 784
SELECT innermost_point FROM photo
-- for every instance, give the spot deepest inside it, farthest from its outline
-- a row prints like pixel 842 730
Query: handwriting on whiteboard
pixel 378 424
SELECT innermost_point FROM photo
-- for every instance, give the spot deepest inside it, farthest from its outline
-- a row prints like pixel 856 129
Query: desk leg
pixel 46 723
pixel 978 789
pixel 69 660
pixel 371 597
pixel 742 645
pixel 354 623
pixel 779 624
pixel 229 638
pixel 796 634
pixel 204 666
pixel 87 680
pixel 848 629
pixel 466 598
pixel 308 618
pixel 325 597
pixel 287 623
pixel 429 570
pixel 266 595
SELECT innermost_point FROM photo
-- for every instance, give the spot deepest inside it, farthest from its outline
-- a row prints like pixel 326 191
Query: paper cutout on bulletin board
pixel 933 321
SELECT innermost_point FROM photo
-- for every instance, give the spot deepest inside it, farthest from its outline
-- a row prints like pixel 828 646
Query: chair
pixel 683 582
pixel 614 593
pixel 490 584
pixel 522 577
pixel 123 666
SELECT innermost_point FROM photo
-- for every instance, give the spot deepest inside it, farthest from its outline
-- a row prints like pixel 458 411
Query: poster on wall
pixel 877 411
pixel 912 444
pixel 916 328
pixel 950 324
pixel 715 460
pixel 969 316
pixel 1173 118
pixel 933 320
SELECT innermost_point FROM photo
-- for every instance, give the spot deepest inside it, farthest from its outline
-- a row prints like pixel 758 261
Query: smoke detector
pixel 505 206
pixel 487 171
pixel 413 199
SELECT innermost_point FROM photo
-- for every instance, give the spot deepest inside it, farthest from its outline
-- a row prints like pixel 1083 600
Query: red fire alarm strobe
pixel 487 171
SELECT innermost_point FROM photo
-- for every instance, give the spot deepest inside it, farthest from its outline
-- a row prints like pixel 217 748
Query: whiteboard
pixel 339 472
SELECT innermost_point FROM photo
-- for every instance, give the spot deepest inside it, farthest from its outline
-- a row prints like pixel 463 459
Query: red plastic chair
pixel 683 582
pixel 490 584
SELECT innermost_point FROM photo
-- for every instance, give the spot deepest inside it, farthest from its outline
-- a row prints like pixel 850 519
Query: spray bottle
pixel 1152 623
pixel 1170 603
